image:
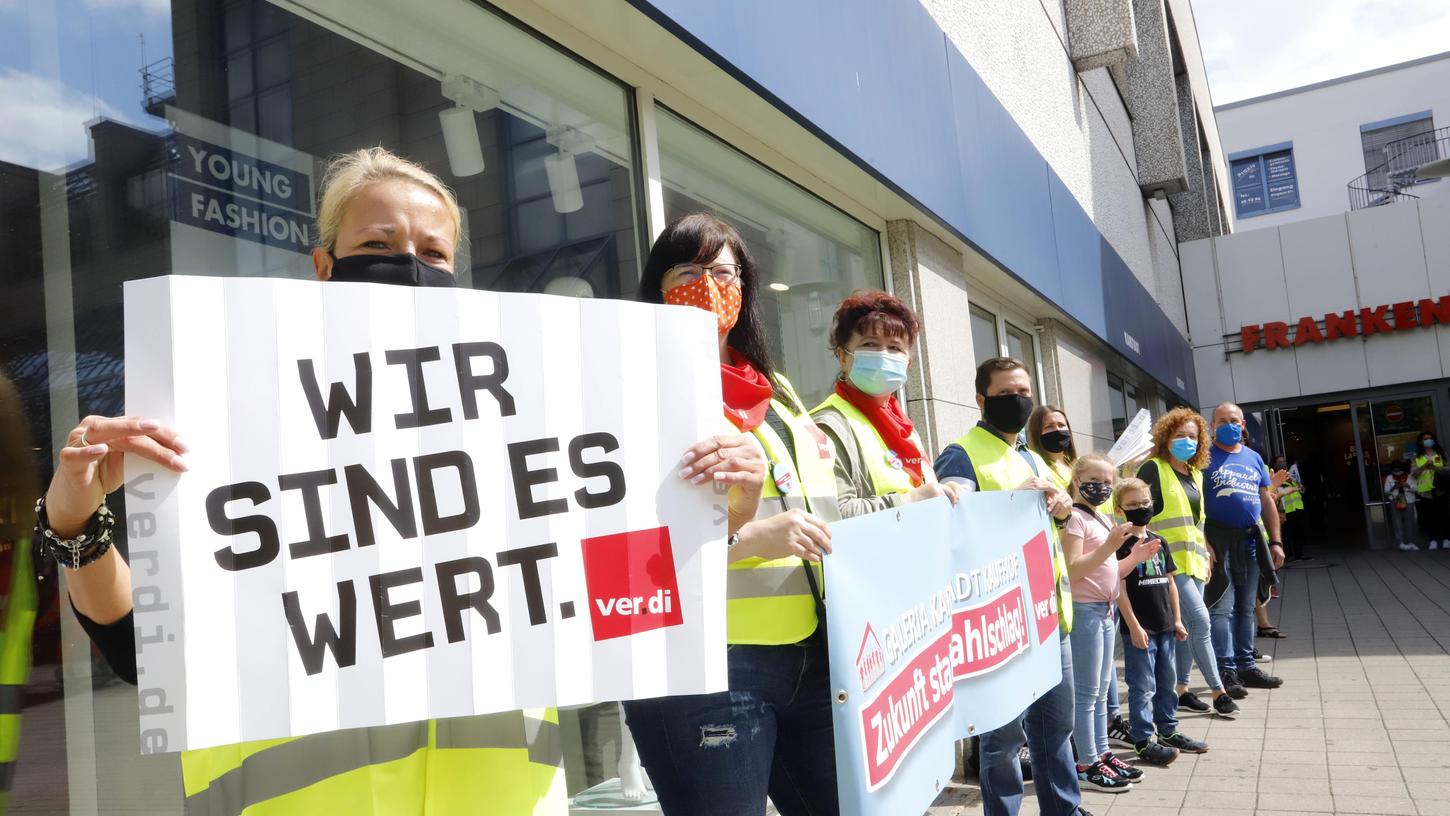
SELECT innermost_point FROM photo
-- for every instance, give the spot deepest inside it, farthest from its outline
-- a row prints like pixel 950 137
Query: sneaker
pixel 1098 775
pixel 1434 545
pixel 1124 770
pixel 1232 685
pixel 1118 732
pixel 1409 546
pixel 1155 754
pixel 1260 657
pixel 1184 743
pixel 1255 678
pixel 1224 706
pixel 1189 700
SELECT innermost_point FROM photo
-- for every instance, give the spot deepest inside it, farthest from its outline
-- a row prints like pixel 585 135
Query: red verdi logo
pixel 631 581
pixel 1042 582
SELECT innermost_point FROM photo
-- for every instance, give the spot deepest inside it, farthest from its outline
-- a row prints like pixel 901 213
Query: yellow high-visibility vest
pixel 999 466
pixel 1293 502
pixel 1178 525
pixel 509 763
pixel 769 601
pixel 1425 482
pixel 15 654
pixel 883 465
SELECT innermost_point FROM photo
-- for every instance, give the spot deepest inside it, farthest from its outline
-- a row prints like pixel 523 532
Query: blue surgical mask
pixel 1228 434
pixel 1183 448
pixel 878 372
pixel 1427 444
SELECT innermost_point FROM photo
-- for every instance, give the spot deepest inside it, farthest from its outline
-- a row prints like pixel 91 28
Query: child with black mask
pixel 1148 603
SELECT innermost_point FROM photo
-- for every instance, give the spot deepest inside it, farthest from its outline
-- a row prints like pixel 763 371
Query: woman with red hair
pixel 879 460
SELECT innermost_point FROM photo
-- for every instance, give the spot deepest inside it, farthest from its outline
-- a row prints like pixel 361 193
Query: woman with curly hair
pixel 1174 474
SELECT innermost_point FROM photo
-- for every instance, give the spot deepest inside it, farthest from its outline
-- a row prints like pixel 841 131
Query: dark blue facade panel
pixel 883 84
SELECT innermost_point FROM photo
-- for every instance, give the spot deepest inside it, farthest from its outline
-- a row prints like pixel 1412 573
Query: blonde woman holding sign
pixel 382 219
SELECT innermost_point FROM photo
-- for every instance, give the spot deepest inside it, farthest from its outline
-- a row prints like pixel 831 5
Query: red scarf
pixel 747 392
pixel 891 423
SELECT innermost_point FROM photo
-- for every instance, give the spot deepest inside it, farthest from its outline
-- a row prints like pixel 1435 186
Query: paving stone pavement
pixel 1359 727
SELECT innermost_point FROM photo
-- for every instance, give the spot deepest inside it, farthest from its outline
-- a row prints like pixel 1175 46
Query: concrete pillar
pixel 1190 207
pixel 1148 87
pixel 1101 33
pixel 931 277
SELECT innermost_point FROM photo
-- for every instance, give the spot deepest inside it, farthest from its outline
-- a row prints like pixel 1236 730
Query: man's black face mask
pixel 403 269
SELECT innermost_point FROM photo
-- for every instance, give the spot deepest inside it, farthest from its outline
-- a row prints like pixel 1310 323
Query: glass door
pixel 1394 426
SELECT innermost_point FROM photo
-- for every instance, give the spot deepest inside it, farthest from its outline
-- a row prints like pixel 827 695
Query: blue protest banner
pixel 943 624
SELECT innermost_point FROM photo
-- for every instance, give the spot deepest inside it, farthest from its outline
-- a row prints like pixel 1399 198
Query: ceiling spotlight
pixel 780 287
pixel 460 129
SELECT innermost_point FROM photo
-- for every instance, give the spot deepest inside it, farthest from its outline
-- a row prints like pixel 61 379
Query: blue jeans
pixel 1199 646
pixel 1150 673
pixel 771 733
pixel 1046 729
pixel 1233 615
pixel 1093 634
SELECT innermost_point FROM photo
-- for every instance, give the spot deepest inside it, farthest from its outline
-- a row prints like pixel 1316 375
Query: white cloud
pixel 162 7
pixel 45 120
pixel 1253 48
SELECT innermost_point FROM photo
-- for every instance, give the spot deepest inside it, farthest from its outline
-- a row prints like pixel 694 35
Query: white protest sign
pixel 407 503
pixel 1136 441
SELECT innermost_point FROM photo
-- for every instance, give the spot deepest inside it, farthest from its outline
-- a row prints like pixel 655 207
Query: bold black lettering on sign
pixel 424 467
pixel 454 601
pixel 318 542
pixel 359 411
pixel 268 542
pixel 421 415
pixel 312 648
pixel 469 384
pixel 525 479
pixel 389 613
pixel 605 469
pixel 363 489
pixel 528 559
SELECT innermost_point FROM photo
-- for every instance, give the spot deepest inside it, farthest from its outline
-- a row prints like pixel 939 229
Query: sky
pixel 1256 47
pixel 64 63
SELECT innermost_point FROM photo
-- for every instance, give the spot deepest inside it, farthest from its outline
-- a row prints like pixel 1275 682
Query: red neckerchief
pixel 891 423
pixel 747 392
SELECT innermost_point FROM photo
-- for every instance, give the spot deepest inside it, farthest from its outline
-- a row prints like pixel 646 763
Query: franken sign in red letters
pixel 1363 323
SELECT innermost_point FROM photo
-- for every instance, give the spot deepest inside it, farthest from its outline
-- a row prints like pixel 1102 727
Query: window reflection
pixel 809 254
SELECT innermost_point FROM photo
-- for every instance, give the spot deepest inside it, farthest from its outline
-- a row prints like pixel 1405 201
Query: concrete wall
pixel 1323 122
pixel 1368 258
pixel 1077 121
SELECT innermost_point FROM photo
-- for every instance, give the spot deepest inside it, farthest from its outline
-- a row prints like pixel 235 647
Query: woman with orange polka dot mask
pixel 771 733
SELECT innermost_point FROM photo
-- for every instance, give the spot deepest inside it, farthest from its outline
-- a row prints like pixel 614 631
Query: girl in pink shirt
pixel 1090 542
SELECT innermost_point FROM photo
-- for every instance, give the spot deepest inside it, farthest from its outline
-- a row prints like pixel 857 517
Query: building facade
pixel 1322 313
pixel 1321 149
pixel 1023 174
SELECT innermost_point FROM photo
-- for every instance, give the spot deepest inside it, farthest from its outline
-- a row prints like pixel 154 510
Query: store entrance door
pixel 1344 452
pixel 1324 442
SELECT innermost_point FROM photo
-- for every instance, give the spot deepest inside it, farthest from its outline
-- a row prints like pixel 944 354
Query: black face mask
pixel 1139 516
pixel 403 269
pixel 1056 441
pixel 1007 413
pixel 1095 493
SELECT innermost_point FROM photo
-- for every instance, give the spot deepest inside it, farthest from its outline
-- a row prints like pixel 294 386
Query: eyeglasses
pixel 691 272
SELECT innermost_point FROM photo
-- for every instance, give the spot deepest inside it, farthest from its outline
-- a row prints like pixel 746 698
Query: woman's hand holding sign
pixel 792 533
pixel 733 460
pixel 91 465
pixel 90 468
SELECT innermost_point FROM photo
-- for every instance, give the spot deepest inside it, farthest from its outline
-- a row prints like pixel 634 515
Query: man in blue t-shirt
pixel 1239 491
